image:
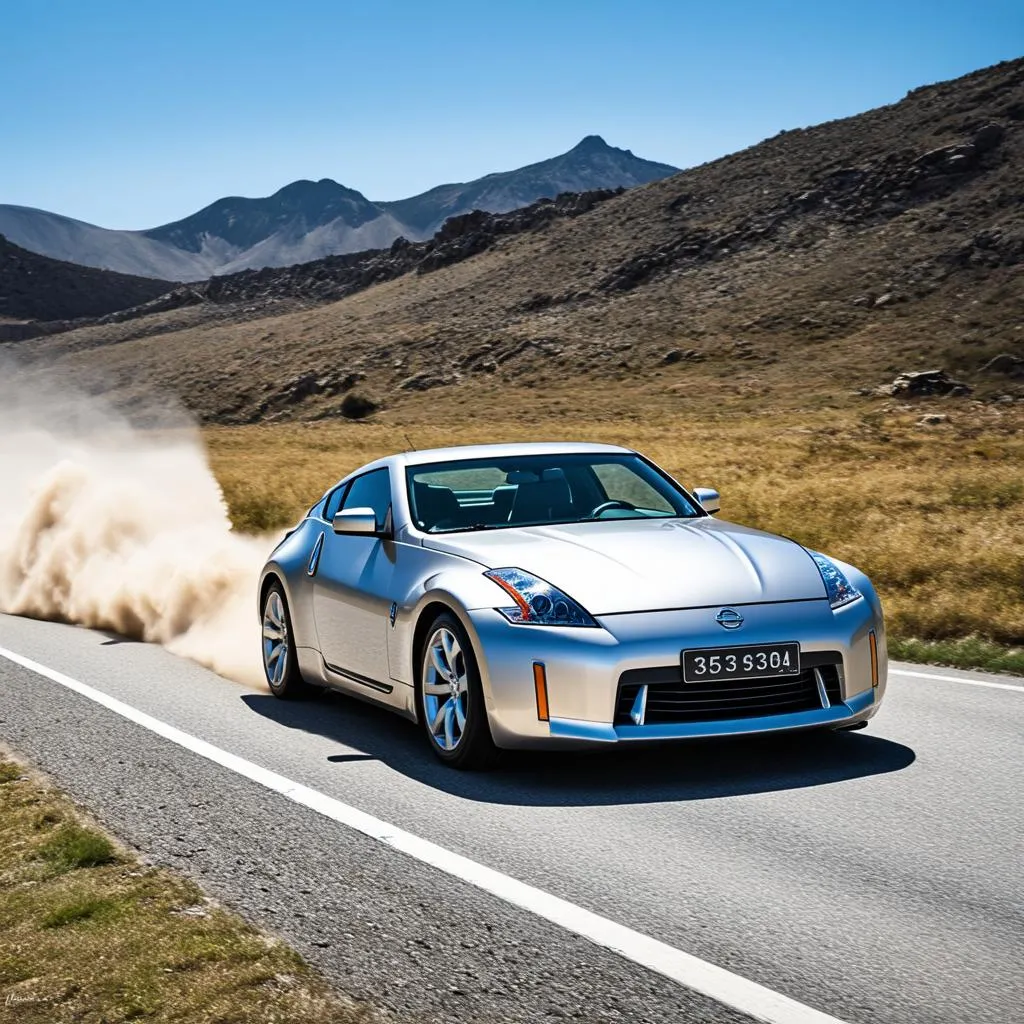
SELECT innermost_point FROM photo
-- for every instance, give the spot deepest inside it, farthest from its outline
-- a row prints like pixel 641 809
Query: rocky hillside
pixel 334 277
pixel 308 220
pixel 35 287
pixel 817 264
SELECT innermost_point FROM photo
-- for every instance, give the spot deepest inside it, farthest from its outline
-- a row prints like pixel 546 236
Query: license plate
pixel 758 661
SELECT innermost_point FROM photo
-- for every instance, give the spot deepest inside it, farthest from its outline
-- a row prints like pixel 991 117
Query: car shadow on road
pixel 693 770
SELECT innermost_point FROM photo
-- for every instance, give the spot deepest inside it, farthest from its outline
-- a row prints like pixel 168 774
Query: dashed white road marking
pixel 725 987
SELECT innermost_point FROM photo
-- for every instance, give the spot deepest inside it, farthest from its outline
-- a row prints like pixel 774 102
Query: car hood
pixel 630 565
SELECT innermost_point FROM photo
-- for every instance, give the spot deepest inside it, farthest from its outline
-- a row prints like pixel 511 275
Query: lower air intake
pixel 670 700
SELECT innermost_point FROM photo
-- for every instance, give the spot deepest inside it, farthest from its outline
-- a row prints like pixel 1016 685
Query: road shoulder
pixel 89 931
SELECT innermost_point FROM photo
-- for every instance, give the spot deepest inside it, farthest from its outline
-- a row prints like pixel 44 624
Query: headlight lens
pixel 840 590
pixel 537 602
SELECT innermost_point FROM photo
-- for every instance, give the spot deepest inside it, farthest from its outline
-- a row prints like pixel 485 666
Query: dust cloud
pixel 122 527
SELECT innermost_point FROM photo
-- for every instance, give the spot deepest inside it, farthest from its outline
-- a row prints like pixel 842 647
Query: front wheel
pixel 280 663
pixel 451 698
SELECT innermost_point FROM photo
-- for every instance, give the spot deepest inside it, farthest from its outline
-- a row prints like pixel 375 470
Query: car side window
pixel 333 502
pixel 371 490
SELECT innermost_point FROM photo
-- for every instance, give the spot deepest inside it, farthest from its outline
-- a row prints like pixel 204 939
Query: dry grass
pixel 89 934
pixel 967 652
pixel 935 515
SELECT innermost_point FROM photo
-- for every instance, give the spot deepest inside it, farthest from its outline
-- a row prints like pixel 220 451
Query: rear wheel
pixel 451 699
pixel 280 664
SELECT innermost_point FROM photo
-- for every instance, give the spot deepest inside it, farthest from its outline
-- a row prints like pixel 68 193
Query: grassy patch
pixel 82 908
pixel 969 652
pixel 72 846
pixel 87 933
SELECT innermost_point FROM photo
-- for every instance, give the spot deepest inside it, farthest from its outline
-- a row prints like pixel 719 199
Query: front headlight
pixel 537 602
pixel 839 589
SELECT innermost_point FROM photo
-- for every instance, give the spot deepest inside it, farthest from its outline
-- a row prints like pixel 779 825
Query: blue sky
pixel 131 113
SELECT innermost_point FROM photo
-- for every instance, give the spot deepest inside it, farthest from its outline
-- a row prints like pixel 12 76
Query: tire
pixel 448 692
pixel 280 663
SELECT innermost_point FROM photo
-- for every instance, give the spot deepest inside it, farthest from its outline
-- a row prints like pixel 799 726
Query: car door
pixel 352 588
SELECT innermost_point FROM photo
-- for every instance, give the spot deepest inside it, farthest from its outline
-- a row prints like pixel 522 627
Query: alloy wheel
pixel 445 689
pixel 275 639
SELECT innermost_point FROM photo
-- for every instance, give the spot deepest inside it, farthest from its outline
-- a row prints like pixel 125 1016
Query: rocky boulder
pixel 298 389
pixel 926 382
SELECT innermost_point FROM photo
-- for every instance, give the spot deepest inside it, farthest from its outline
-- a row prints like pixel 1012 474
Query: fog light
pixel 873 643
pixel 540 686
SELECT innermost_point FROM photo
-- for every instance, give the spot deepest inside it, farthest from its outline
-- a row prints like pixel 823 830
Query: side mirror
pixel 355 520
pixel 710 500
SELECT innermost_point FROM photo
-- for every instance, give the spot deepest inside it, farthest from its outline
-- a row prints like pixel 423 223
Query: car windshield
pixel 540 490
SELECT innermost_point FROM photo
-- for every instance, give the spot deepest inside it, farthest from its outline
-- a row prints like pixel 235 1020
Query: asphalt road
pixel 874 876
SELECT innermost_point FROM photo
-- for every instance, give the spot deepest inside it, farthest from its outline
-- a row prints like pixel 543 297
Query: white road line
pixel 955 679
pixel 723 986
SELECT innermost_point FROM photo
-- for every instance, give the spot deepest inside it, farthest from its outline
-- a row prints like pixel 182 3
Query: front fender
pixel 459 589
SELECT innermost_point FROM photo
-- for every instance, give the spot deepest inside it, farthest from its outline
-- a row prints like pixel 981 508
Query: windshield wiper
pixel 471 529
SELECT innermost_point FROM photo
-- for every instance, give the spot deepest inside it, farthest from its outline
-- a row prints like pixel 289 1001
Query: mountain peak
pixel 304 186
pixel 591 144
pixel 299 208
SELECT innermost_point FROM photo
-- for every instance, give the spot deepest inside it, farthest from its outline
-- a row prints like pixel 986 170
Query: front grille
pixel 669 699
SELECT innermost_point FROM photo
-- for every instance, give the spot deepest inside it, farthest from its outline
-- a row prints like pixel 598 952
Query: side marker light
pixel 540 686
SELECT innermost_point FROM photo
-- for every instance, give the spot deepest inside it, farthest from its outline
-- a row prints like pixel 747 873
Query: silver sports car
pixel 532 595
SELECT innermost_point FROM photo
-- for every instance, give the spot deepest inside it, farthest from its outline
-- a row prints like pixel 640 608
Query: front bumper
pixel 584 666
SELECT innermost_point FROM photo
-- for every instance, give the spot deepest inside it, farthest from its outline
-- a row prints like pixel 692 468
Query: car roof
pixel 459 453
pixel 482 451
